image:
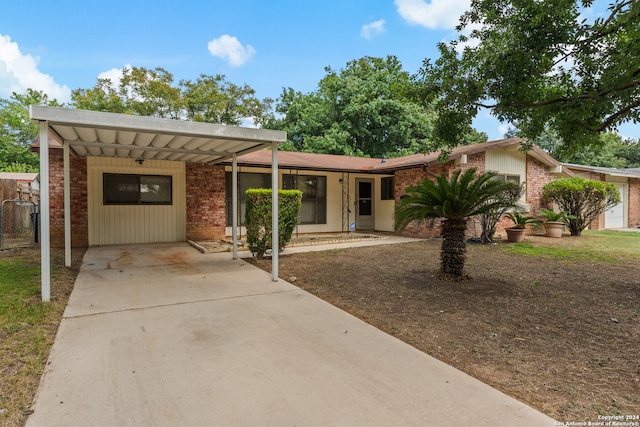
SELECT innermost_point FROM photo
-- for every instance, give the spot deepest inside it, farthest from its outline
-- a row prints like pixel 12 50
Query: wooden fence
pixel 10 189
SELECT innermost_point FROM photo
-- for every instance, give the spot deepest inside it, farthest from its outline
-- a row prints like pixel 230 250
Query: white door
pixel 364 204
pixel 614 217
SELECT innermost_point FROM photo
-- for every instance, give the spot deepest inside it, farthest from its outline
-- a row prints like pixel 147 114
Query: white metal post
pixel 274 211
pixel 67 206
pixel 234 202
pixel 45 240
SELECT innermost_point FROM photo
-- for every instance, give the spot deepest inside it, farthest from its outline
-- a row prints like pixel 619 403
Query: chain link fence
pixel 18 223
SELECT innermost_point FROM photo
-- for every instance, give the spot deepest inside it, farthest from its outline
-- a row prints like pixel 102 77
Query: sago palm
pixel 454 200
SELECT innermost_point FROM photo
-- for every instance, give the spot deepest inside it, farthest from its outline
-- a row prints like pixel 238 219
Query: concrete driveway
pixel 162 335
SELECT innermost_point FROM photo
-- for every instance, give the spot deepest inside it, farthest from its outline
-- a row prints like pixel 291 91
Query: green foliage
pixel 19 287
pixel 553 216
pixel 365 109
pixel 152 92
pixel 258 218
pixel 488 220
pixel 608 150
pixel 538 65
pixel 462 196
pixel 17 131
pixel 521 221
pixel 585 200
pixel 455 199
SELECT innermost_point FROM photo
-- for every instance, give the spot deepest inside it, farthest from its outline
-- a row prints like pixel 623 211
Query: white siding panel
pixel 507 161
pixel 122 224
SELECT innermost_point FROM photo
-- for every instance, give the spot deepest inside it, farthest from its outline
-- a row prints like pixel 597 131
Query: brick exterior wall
pixel 206 206
pixel 537 176
pixel 634 203
pixel 79 203
pixel 409 177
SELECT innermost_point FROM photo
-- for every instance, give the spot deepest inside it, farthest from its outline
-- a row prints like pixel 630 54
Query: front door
pixel 364 204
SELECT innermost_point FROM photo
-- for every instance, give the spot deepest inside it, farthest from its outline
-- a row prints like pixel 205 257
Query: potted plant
pixel 516 233
pixel 555 222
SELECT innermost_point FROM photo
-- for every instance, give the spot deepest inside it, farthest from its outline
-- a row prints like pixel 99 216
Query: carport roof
pixel 92 133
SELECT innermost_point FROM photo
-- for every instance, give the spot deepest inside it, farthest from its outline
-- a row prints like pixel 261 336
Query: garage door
pixel 614 217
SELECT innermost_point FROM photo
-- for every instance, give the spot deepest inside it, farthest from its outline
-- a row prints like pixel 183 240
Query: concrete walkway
pixel 162 335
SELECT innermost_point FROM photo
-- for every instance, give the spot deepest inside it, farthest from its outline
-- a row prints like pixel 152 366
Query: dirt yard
pixel 562 336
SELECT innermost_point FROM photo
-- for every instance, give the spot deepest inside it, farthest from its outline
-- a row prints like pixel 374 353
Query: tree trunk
pixel 454 249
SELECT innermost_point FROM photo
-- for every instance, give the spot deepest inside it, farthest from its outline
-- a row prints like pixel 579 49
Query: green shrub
pixel 583 199
pixel 258 218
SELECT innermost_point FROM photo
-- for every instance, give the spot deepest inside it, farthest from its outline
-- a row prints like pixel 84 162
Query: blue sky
pixel 267 44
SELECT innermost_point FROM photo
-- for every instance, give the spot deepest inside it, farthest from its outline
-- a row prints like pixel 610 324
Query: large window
pixel 314 196
pixel 387 186
pixel 129 189
pixel 246 180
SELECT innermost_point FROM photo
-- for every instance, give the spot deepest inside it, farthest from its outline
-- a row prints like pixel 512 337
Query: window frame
pixel 387 188
pixel 106 193
pixel 506 176
pixel 292 182
pixel 242 195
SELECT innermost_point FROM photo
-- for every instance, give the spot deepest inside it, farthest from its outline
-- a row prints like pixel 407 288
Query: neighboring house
pixel 625 214
pixel 16 185
pixel 192 201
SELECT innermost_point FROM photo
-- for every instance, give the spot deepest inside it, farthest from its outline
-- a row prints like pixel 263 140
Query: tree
pixel 584 199
pixel 17 131
pixel 153 93
pixel 538 65
pixel 455 200
pixel 611 150
pixel 364 109
pixel 509 197
pixel 212 99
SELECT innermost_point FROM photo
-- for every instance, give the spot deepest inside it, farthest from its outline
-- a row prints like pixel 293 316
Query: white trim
pixel 234 207
pixel 45 240
pixel 274 212
pixel 67 206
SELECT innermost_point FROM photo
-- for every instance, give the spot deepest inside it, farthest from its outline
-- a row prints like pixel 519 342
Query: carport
pixel 90 133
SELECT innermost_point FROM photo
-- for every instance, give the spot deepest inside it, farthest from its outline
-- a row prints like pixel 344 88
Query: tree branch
pixel 612 118
pixel 565 99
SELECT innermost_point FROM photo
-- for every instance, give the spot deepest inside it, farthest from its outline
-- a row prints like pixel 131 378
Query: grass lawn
pixel 27 326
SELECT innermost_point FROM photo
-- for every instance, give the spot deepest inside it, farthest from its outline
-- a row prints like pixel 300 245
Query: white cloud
pixel 114 74
pixel 503 129
pixel 19 72
pixel 434 14
pixel 229 48
pixel 372 29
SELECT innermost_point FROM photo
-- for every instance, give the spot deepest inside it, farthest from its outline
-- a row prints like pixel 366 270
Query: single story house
pixel 118 179
pixel 193 201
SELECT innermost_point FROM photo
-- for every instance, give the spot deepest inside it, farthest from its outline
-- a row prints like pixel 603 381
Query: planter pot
pixel 515 234
pixel 553 228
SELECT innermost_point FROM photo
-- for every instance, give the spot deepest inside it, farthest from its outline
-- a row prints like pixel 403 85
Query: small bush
pixel 583 199
pixel 258 218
